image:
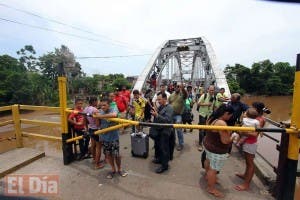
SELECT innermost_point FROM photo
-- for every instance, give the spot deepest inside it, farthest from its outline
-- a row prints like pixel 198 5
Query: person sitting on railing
pixel 249 149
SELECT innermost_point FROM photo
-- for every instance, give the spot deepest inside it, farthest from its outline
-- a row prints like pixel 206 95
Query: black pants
pixel 172 143
pixel 164 149
pixel 202 133
pixel 84 143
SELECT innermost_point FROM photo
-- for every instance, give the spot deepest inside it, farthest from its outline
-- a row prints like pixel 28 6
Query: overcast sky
pixel 240 31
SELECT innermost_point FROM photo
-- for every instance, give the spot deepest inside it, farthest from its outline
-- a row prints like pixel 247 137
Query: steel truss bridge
pixel 191 61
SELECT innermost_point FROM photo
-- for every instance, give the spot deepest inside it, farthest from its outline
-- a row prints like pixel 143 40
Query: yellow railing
pixel 17 121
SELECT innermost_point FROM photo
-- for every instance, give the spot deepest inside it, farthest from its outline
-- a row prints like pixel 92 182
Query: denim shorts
pixel 216 161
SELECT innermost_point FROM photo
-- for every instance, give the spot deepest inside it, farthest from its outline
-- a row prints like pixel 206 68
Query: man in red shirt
pixel 122 105
pixel 125 93
pixel 121 102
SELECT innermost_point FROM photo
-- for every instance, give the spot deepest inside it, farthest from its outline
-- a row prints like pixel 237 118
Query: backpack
pixel 205 96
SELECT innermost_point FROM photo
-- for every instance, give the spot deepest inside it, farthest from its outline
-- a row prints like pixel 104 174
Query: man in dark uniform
pixel 164 114
pixel 238 109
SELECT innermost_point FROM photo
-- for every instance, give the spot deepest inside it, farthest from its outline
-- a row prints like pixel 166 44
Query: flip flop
pixel 99 166
pixel 216 194
pixel 110 175
pixel 122 173
pixel 240 188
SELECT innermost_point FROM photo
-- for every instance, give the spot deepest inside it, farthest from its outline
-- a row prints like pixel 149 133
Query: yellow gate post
pixel 63 103
pixel 289 170
pixel 17 123
pixel 68 155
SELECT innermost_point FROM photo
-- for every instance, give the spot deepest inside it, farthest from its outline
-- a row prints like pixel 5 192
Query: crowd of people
pixel 169 105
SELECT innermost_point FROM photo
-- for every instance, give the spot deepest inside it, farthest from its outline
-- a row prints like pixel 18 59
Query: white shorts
pixel 250 148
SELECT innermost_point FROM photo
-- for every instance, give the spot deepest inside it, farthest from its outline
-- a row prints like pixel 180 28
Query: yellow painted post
pixel 293 151
pixel 63 103
pixel 68 155
pixel 17 122
pixel 287 172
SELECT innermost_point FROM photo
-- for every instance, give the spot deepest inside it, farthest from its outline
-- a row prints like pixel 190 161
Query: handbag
pixel 187 116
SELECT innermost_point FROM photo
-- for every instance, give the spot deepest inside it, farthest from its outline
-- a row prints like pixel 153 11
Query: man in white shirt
pixel 162 90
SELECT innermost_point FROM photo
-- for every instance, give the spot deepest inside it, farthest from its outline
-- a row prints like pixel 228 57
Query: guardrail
pixel 17 121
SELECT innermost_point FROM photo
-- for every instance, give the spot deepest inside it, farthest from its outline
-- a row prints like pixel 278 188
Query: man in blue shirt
pixel 110 139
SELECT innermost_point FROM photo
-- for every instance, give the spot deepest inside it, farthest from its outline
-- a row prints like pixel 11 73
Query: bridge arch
pixel 184 60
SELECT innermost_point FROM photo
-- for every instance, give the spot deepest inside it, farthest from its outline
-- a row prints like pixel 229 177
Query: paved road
pixel 184 180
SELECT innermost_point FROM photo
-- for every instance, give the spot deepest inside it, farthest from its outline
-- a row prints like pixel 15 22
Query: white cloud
pixel 240 31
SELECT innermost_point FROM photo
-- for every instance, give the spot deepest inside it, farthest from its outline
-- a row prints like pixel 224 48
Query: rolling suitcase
pixel 139 144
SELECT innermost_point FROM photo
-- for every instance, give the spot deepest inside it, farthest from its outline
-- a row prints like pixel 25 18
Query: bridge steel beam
pixel 184 51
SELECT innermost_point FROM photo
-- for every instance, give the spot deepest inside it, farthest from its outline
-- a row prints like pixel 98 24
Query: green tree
pixel 264 78
pixel 27 58
pixel 13 81
pixel 286 73
pixel 49 63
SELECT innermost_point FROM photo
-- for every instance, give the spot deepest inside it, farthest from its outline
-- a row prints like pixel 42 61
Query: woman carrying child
pixel 249 148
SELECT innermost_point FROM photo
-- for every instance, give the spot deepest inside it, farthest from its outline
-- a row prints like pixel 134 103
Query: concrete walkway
pixel 183 181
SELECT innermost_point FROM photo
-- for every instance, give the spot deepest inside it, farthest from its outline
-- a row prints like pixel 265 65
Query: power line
pixel 48 29
pixel 123 44
pixel 56 31
pixel 120 56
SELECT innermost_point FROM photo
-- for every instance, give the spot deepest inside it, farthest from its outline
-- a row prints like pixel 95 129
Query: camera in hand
pixel 266 110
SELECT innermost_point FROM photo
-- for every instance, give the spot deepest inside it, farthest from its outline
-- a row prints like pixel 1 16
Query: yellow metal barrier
pixel 41 123
pixel 63 103
pixel 4 108
pixel 40 108
pixel 205 127
pixel 293 151
pixel 102 131
pixel 47 137
pixel 6 122
pixel 17 122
